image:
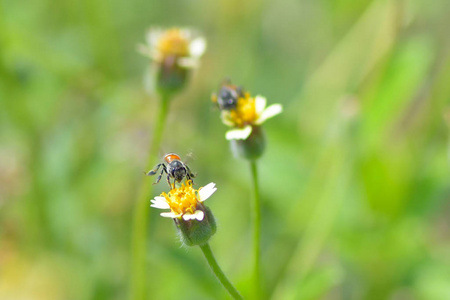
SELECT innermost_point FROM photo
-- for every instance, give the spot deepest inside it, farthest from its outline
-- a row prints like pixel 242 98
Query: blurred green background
pixel 355 180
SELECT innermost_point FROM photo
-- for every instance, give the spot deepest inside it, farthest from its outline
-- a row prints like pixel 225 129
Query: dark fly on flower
pixel 175 169
pixel 228 96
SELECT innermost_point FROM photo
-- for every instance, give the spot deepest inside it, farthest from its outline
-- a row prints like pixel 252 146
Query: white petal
pixel 260 104
pixel 269 112
pixel 159 202
pixel 206 191
pixel 239 134
pixel 159 206
pixel 153 36
pixel 197 47
pixel 198 214
pixel 149 52
pixel 188 62
pixel 169 215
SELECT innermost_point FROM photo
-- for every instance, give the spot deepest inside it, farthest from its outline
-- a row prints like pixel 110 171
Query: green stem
pixel 206 249
pixel 142 211
pixel 256 219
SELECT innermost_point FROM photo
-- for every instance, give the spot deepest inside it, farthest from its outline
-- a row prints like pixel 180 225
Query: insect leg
pixel 155 170
pixel 161 174
pixel 189 174
pixel 168 181
pixel 159 177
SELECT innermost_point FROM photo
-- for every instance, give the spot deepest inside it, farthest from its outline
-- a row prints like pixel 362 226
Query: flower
pixel 174 52
pixel 178 45
pixel 245 114
pixel 184 202
pixel 249 113
pixel 194 221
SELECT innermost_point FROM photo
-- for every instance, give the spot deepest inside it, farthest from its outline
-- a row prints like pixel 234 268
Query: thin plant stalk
pixel 256 220
pixel 206 249
pixel 142 211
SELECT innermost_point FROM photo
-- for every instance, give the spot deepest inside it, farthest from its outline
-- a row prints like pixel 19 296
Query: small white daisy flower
pixel 249 112
pixel 184 202
pixel 179 44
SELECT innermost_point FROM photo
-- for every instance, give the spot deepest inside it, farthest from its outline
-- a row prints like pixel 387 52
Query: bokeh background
pixel 355 180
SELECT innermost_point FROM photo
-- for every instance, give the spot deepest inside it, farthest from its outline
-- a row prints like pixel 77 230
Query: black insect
pixel 175 169
pixel 228 96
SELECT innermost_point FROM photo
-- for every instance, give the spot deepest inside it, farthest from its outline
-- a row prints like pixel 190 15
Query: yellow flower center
pixel 172 42
pixel 245 112
pixel 182 200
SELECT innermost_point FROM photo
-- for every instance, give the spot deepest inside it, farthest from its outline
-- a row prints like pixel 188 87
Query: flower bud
pixel 251 148
pixel 194 232
pixel 171 78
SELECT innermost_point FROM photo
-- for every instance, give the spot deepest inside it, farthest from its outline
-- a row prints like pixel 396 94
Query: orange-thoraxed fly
pixel 228 96
pixel 175 169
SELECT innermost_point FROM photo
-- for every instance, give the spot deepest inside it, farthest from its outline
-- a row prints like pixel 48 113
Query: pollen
pixel 173 42
pixel 183 199
pixel 245 112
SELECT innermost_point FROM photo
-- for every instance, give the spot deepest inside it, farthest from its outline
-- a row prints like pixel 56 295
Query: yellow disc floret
pixel 245 112
pixel 173 42
pixel 182 200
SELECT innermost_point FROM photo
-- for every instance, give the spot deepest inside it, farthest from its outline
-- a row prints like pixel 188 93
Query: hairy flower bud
pixel 195 232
